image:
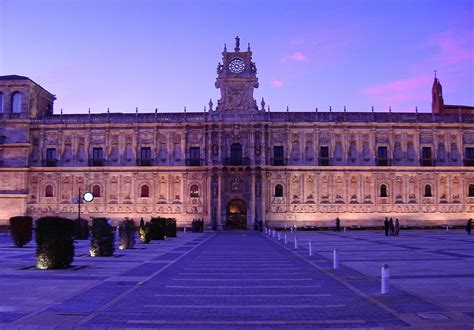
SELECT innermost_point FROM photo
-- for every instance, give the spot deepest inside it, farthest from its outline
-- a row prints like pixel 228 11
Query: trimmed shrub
pixel 127 230
pixel 158 228
pixel 54 242
pixel 21 230
pixel 82 229
pixel 102 238
pixel 145 233
pixel 197 226
pixel 170 229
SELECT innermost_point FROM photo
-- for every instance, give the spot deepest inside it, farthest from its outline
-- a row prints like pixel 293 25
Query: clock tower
pixel 236 79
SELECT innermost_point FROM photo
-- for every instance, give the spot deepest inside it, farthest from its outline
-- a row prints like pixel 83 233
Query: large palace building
pixel 236 163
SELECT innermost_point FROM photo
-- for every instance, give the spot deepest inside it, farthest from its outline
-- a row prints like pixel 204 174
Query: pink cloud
pixel 453 46
pixel 298 57
pixel 403 91
pixel 275 83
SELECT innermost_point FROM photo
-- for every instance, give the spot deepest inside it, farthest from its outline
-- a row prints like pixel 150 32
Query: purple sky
pixel 147 54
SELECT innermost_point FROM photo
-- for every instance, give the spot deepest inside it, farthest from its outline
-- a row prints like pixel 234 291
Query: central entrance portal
pixel 236 214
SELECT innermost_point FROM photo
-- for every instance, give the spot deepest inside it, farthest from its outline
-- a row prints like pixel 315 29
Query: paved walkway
pixel 246 280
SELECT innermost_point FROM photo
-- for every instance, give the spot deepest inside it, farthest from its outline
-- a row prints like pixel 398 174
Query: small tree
pixel 102 238
pixel 21 230
pixel 127 231
pixel 55 242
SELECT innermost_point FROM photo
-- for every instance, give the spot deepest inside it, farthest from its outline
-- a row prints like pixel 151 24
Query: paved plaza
pixel 244 279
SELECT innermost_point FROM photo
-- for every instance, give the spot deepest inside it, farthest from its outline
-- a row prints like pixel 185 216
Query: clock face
pixel 236 65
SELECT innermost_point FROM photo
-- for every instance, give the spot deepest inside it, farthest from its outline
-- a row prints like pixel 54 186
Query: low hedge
pixel 54 242
pixel 158 228
pixel 21 230
pixel 102 242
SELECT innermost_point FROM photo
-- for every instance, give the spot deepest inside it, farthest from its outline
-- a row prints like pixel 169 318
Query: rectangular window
pixel 278 156
pixel 324 156
pixel 194 156
pixel 426 159
pixel 51 153
pixel 145 156
pixel 51 160
pixel 382 156
pixel 469 156
pixel 97 157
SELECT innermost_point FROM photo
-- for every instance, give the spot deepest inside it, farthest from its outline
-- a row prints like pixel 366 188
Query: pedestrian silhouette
pixel 468 226
pixel 386 226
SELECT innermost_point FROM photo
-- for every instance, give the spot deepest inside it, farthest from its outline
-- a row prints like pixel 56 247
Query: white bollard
pixel 385 284
pixel 310 248
pixel 335 263
pixel 278 236
pixel 184 230
pixel 345 229
pixel 296 243
pixel 447 228
pixel 286 239
pixel 273 233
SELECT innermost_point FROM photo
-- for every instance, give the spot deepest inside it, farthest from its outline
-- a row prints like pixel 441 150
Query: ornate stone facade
pixel 236 163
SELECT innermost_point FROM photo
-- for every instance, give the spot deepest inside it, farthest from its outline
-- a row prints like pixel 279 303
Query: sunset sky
pixel 147 54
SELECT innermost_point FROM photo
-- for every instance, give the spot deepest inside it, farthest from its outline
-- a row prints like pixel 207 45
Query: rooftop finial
pixel 263 104
pixel 287 109
pixel 225 47
pixel 237 44
pixel 156 111
pixel 210 104
pixel 344 108
pixel 136 109
pixel 330 109
pixel 248 47
pixel 435 71
pixel 372 108
pixel 184 109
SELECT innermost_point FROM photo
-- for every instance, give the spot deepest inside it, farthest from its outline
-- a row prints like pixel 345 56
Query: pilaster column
pixel 219 201
pixel 250 224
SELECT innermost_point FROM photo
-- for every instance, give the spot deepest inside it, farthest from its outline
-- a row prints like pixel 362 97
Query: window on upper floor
pixel 145 191
pixel 426 157
pixel 16 102
pixel 51 159
pixel 236 151
pixel 428 192
pixel 278 156
pixel 471 190
pixel 145 157
pixel 49 191
pixel 324 156
pixel 194 191
pixel 469 156
pixel 96 190
pixel 383 191
pixel 194 156
pixel 97 157
pixel 382 156
pixel 1 103
pixel 278 190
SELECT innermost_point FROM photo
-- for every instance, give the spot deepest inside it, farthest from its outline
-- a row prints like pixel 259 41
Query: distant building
pixel 237 162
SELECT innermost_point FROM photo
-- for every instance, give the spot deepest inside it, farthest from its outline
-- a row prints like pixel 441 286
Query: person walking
pixel 468 226
pixel 338 224
pixel 386 226
pixel 392 227
pixel 397 227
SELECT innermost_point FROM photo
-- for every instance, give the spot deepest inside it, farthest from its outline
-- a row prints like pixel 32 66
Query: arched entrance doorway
pixel 236 214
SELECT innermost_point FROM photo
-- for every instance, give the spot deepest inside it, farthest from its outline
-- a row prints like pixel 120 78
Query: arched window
pixel 471 190
pixel 145 191
pixel 96 190
pixel 1 102
pixel 49 191
pixel 194 191
pixel 16 102
pixel 428 192
pixel 278 190
pixel 383 191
